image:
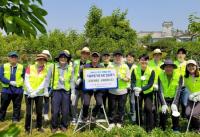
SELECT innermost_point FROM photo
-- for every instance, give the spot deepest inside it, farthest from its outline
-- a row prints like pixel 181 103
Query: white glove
pixel 61 79
pixel 193 95
pixel 155 86
pixel 196 98
pixel 73 96
pixel 164 109
pixel 137 91
pixel 78 81
pixel 46 93
pixel 174 107
pixel 32 94
pixel 13 83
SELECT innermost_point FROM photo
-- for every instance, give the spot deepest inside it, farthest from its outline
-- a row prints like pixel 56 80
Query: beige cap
pixel 191 61
pixel 47 53
pixel 85 49
pixel 41 56
pixel 67 51
pixel 157 51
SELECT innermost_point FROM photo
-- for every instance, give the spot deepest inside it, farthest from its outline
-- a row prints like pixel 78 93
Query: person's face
pixel 191 68
pixel 41 62
pixel 106 58
pixel 85 55
pixel 63 59
pixel 117 58
pixel 157 57
pixel 181 56
pixel 13 59
pixel 143 63
pixel 130 59
pixel 95 59
pixel 169 69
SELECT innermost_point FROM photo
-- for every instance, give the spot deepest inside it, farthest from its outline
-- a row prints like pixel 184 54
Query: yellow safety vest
pixel 67 77
pixel 180 67
pixel 77 68
pixel 192 83
pixel 18 75
pixel 169 87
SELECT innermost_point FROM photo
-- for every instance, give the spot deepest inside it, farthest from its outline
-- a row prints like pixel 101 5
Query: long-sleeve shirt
pixel 150 81
pixel 11 89
pixel 177 95
pixel 61 74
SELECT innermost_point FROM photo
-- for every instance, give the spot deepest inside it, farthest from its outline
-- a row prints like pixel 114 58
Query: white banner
pixel 100 78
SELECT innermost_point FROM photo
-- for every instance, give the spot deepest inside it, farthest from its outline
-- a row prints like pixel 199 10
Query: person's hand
pixel 13 83
pixel 174 107
pixel 46 93
pixel 32 94
pixel 196 98
pixel 164 109
pixel 73 96
pixel 137 91
pixel 78 81
pixel 155 86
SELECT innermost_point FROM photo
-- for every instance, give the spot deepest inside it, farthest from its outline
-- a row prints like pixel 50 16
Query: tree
pixel 22 17
pixel 194 26
pixel 109 32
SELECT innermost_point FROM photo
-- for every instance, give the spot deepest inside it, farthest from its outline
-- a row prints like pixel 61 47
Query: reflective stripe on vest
pixel 67 77
pixel 36 79
pixel 193 84
pixel 169 87
pixel 18 75
pixel 156 68
pixel 141 83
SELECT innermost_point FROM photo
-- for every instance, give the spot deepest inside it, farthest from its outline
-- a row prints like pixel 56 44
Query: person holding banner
pixel 192 83
pixel 142 79
pixel 78 66
pixel 62 87
pixel 35 80
pixel 169 87
pixel 117 96
pixel 87 94
pixel 12 78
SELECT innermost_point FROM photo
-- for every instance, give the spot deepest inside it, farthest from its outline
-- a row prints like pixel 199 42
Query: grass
pixel 128 130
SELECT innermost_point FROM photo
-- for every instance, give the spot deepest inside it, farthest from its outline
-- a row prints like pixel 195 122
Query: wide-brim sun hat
pixel 61 54
pixel 41 56
pixel 168 62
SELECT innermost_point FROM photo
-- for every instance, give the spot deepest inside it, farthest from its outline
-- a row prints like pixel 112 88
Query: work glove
pixel 143 78
pixel 155 86
pixel 46 93
pixel 73 96
pixel 174 107
pixel 164 109
pixel 196 98
pixel 78 81
pixel 13 83
pixel 137 91
pixel 191 96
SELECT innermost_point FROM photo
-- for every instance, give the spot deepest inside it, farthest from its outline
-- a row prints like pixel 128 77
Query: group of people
pixel 154 89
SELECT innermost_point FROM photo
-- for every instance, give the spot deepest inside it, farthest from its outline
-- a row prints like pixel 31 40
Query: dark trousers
pixel 148 110
pixel 5 101
pixel 60 103
pixel 106 102
pixel 117 109
pixel 86 102
pixel 163 118
pixel 38 107
pixel 46 105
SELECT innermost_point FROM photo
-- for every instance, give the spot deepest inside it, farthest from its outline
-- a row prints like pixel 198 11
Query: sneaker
pixel 119 125
pixel 40 130
pixel 63 129
pixel 111 126
pixel 54 130
pixel 73 122
pixel 46 117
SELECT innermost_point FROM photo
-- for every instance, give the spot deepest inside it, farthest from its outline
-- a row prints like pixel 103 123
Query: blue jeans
pixel 184 96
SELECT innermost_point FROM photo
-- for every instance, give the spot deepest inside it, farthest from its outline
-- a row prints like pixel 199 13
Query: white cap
pixel 175 114
pixel 157 51
pixel 47 53
pixel 191 61
pixel 67 51
pixel 85 49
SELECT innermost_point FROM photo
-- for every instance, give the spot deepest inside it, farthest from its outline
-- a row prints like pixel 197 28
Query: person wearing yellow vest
pixel 117 96
pixel 155 64
pixel 62 75
pixel 130 61
pixel 12 78
pixel 106 64
pixel 169 88
pixel 46 96
pixel 192 83
pixel 35 80
pixel 181 66
pixel 142 79
pixel 78 65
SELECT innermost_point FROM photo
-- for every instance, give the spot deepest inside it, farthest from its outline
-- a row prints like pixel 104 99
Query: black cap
pixel 12 54
pixel 117 53
pixel 144 56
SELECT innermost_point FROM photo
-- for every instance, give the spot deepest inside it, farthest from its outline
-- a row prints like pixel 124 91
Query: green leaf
pixel 15 1
pixel 26 2
pixel 40 2
pixel 40 27
pixel 3 2
pixel 38 10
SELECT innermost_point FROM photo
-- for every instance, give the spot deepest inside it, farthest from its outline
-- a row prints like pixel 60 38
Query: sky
pixel 144 15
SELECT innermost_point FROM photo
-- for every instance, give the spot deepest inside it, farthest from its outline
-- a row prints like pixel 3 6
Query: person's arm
pixel 160 93
pixel 72 82
pixel 133 80
pixel 150 82
pixel 26 80
pixel 178 91
pixel 3 79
